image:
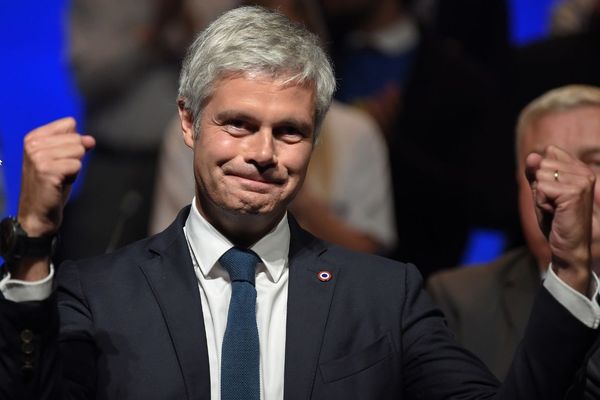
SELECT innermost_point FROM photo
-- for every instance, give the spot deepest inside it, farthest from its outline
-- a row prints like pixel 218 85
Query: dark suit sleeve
pixel 554 346
pixel 39 362
pixel 28 349
pixel 551 352
pixel 435 366
pixel 437 290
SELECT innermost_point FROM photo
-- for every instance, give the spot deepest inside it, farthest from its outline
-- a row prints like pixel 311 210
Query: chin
pixel 250 209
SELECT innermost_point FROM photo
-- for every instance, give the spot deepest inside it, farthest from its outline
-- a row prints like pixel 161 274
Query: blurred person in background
pixel 487 306
pixel 125 58
pixel 436 108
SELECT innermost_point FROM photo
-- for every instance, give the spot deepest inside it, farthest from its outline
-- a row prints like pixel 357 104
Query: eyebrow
pixel 297 123
pixel 234 114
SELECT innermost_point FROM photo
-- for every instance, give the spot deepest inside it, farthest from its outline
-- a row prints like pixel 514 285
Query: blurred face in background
pixel 578 132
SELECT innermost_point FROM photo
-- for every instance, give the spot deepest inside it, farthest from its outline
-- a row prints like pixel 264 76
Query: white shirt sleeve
pixel 585 309
pixel 19 291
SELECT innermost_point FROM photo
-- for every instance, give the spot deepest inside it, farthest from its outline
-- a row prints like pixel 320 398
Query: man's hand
pixel 563 193
pixel 51 161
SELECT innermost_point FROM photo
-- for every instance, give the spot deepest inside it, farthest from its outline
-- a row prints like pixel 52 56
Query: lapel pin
pixel 324 276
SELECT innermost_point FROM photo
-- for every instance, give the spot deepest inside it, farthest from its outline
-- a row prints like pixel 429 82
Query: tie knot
pixel 240 263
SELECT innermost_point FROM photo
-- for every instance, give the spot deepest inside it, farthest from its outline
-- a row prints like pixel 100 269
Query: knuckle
pixel 43 167
pixel 80 150
pixel 29 141
pixel 591 178
pixel 539 174
pixel 546 163
pixel 550 148
pixel 68 123
pixel 76 165
pixel 36 157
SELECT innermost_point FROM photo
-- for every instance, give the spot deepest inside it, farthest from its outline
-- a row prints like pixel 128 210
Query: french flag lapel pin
pixel 324 276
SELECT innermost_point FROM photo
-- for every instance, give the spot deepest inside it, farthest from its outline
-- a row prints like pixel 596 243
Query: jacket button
pixel 27 364
pixel 27 348
pixel 26 336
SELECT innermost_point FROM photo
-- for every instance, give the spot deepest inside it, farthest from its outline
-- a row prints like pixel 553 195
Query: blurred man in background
pixel 488 306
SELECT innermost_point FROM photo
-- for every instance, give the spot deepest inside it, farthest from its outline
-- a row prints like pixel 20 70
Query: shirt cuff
pixel 20 291
pixel 585 310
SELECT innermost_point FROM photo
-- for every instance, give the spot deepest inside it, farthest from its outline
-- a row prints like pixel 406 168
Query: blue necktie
pixel 240 354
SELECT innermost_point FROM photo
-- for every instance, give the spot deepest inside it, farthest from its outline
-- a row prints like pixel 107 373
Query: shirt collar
pixel 208 245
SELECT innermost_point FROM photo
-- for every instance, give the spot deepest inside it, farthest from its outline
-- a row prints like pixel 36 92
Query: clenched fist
pixel 51 161
pixel 563 194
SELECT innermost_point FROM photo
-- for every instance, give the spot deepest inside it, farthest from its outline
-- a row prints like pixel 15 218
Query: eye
pixel 238 126
pixel 290 134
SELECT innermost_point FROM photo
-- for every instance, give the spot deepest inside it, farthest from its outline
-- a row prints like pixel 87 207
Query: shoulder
pixel 131 256
pixel 354 266
pixel 372 276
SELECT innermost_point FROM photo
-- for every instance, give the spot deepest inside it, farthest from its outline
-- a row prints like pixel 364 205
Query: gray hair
pixel 254 41
pixel 561 99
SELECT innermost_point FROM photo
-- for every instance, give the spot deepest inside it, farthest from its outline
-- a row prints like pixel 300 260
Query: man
pixel 488 306
pixel 332 204
pixel 234 300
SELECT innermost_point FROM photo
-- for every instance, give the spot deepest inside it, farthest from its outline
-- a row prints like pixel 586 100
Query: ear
pixel 187 124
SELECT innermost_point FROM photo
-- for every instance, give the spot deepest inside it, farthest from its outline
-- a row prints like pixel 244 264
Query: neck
pixel 242 230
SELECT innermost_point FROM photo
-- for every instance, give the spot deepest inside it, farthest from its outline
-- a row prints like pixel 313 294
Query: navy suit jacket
pixel 128 325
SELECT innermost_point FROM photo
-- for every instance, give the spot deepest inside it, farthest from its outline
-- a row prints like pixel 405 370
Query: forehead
pixel 576 130
pixel 263 94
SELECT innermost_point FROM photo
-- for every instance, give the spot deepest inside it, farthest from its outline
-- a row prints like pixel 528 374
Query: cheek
pixel 213 150
pixel 298 161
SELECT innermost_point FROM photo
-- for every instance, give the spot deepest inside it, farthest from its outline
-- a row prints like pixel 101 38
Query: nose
pixel 261 149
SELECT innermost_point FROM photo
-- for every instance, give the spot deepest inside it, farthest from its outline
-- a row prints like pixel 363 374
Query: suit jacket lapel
pixel 309 300
pixel 171 276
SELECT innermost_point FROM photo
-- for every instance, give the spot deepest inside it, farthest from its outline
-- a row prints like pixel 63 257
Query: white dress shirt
pixel 207 245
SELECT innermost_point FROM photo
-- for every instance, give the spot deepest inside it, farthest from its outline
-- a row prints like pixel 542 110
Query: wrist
pixel 576 276
pixel 35 226
pixel 30 268
pixel 26 256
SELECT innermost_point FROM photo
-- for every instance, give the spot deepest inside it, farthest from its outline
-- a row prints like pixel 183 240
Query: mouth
pixel 255 183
